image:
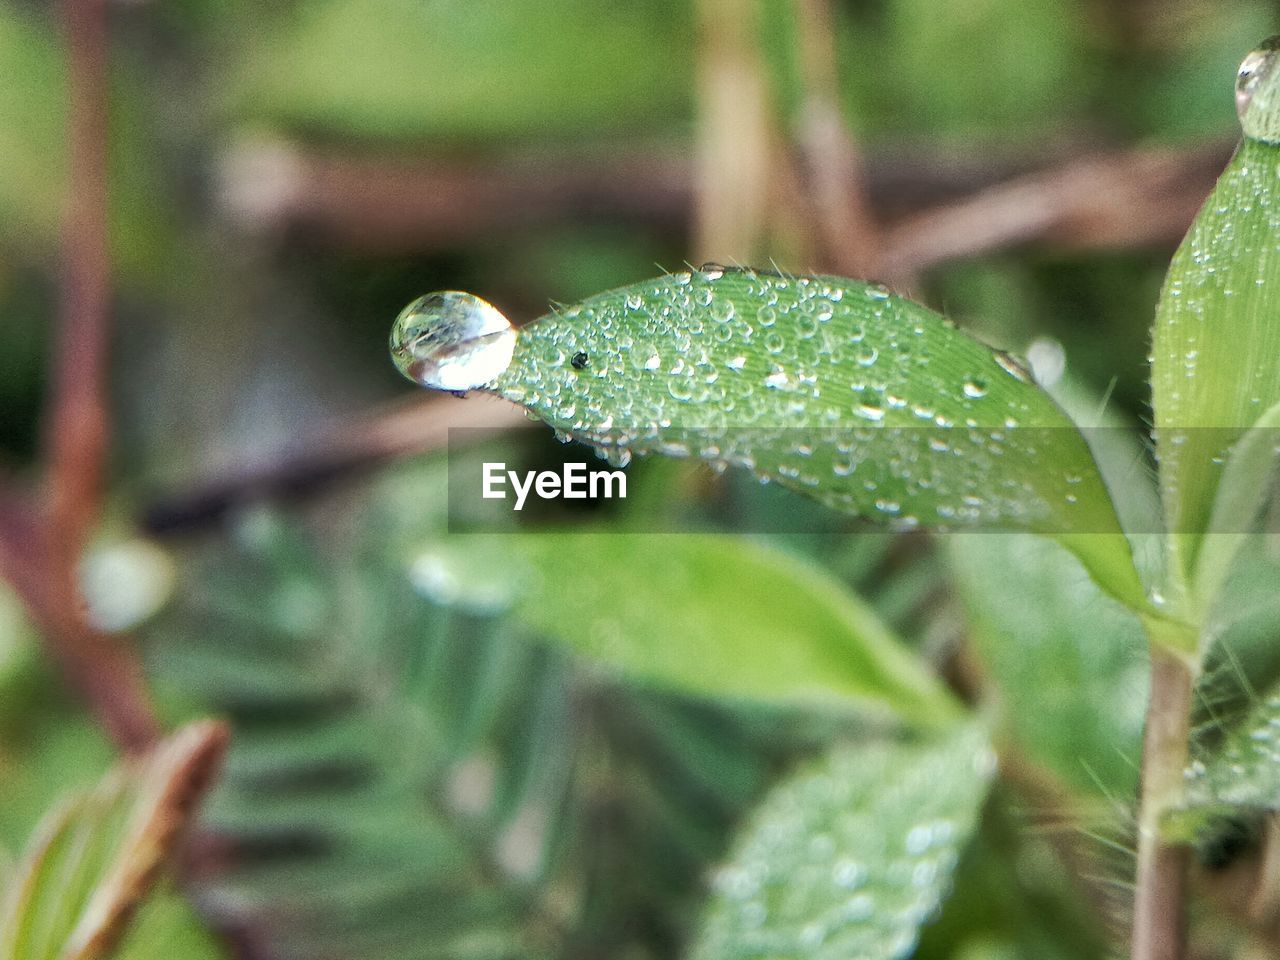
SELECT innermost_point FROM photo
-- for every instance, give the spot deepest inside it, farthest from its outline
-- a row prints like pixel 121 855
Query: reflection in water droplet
pixel 975 388
pixel 452 341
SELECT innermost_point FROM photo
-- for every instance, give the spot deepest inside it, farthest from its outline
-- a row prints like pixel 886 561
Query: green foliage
pixel 461 72
pixel 848 858
pixel 95 859
pixel 671 609
pixel 1064 660
pixel 866 401
pixel 166 927
pixel 1240 776
pixel 1221 297
pixel 408 773
pixel 429 759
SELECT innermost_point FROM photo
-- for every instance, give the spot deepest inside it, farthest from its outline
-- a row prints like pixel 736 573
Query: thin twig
pixel 333 452
pixel 77 437
pixel 40 550
pixel 734 134
pixel 1121 200
pixel 935 208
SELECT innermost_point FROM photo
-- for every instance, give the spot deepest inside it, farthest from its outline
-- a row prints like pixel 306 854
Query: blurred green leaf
pixel 94 860
pixel 166 927
pixel 673 610
pixel 1216 353
pixel 1238 776
pixel 1068 663
pixel 455 71
pixel 866 401
pixel 850 856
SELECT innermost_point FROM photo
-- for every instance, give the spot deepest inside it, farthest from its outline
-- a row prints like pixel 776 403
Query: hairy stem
pixel 1159 929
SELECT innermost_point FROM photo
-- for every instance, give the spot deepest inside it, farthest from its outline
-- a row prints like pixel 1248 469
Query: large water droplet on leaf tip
pixel 452 341
pixel 1258 93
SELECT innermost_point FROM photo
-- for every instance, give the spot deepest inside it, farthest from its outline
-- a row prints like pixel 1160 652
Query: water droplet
pixel 877 291
pixel 1258 93
pixel 452 341
pixel 975 388
pixel 1012 366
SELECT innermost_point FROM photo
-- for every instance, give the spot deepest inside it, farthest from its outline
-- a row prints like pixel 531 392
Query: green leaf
pixel 167 927
pixel 522 68
pixel 94 860
pixel 868 402
pixel 1238 776
pixel 1242 493
pixel 443 796
pixel 672 609
pixel 1216 353
pixel 1068 664
pixel 849 857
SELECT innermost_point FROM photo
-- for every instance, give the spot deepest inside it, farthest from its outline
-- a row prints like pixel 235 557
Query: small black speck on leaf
pixel 579 360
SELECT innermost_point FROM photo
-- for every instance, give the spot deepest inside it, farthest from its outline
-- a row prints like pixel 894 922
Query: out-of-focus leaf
pixel 1068 663
pixel 1240 775
pixel 849 857
pixel 714 615
pixel 1216 353
pixel 94 861
pixel 454 71
pixel 1245 488
pixel 413 779
pixel 167 928
pixel 866 401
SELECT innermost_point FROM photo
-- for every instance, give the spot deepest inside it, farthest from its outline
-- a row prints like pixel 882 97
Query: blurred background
pixel 285 176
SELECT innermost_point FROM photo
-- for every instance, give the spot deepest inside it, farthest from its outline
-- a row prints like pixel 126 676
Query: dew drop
pixel 452 341
pixel 975 388
pixel 1258 93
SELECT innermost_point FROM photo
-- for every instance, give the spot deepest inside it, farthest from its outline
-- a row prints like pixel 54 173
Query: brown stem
pixel 1159 926
pixel 40 550
pixel 77 438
